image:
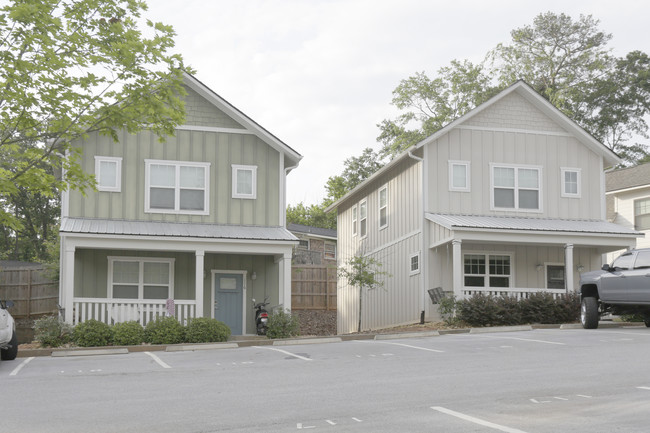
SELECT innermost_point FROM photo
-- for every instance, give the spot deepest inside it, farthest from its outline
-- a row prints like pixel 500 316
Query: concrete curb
pixel 89 352
pixel 500 329
pixel 297 342
pixel 203 346
pixel 407 335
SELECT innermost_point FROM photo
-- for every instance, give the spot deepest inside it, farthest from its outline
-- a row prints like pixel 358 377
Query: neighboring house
pixel 316 246
pixel 628 201
pixel 507 199
pixel 193 226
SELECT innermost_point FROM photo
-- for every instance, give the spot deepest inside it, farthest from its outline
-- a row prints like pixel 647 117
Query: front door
pixel 228 300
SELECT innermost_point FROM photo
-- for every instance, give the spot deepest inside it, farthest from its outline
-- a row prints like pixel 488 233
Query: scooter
pixel 261 316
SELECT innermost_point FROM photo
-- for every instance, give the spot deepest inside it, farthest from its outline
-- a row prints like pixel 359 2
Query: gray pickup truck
pixel 620 288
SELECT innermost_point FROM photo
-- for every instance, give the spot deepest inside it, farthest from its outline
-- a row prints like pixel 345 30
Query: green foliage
pixel 206 330
pixel 164 330
pixel 92 333
pixel 313 215
pixel 51 331
pixel 128 333
pixel 282 324
pixel 365 273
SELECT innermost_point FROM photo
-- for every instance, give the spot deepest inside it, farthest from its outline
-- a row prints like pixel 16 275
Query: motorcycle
pixel 261 316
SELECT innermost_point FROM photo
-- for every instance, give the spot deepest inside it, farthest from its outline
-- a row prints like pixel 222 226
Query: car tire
pixel 589 313
pixel 10 353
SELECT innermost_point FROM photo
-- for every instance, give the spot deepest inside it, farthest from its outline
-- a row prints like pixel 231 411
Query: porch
pixel 112 311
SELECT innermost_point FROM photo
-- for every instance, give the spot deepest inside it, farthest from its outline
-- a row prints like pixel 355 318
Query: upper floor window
pixel 108 173
pixel 383 207
pixel 177 187
pixel 363 218
pixel 140 278
pixel 570 182
pixel 244 181
pixel 642 214
pixel 459 179
pixel 330 250
pixel 354 220
pixel 517 188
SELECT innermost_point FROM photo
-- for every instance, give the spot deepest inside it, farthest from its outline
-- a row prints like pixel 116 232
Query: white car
pixel 8 338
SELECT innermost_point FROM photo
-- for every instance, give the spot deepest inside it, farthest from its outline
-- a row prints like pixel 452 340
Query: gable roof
pixel 628 177
pixel 312 231
pixel 249 124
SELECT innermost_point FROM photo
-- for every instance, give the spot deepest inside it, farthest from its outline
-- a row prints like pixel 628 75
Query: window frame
pixel 486 276
pixel 329 255
pixel 382 208
pixel 563 182
pixel 546 275
pixel 355 219
pixel 516 188
pixel 417 270
pixel 177 189
pixel 302 246
pixel 236 194
pixel 141 261
pixel 363 204
pixel 467 165
pixel 634 210
pixel 117 160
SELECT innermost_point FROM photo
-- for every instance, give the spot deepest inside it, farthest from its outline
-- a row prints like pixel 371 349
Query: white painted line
pixel 299 426
pixel 647 388
pixel 477 420
pixel 357 419
pixel 158 360
pixel 330 422
pixel 561 398
pixel 403 345
pixel 286 353
pixel 20 367
pixel 584 396
pixel 533 400
pixel 522 339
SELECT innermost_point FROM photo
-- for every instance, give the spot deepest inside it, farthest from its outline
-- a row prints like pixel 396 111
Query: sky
pixel 319 74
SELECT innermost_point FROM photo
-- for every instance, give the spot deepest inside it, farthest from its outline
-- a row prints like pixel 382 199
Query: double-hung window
pixel 330 250
pixel 570 182
pixel 177 187
pixel 363 219
pixel 383 207
pixel 354 220
pixel 459 176
pixel 244 181
pixel 487 270
pixel 108 173
pixel 140 278
pixel 642 214
pixel 516 188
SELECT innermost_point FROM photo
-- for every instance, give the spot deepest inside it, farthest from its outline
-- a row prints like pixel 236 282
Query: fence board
pixel 32 289
pixel 313 287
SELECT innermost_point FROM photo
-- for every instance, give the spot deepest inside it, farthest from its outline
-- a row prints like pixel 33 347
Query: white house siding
pixel 392 246
pixel 624 208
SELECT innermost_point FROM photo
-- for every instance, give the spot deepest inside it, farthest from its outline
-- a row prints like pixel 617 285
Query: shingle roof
pixel 156 228
pixel 628 177
pixel 310 230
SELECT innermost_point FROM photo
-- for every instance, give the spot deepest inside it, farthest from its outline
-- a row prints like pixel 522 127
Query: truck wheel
pixel 589 313
pixel 10 353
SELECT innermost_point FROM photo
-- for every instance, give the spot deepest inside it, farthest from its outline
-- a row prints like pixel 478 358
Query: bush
pixel 128 333
pixel 282 325
pixel 164 330
pixel 206 330
pixel 51 331
pixel 92 333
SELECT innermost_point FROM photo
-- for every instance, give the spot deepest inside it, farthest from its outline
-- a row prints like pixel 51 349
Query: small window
pixel 244 181
pixel 108 173
pixel 354 220
pixel 303 244
pixel 642 214
pixel 414 264
pixel 459 176
pixel 363 219
pixel 571 182
pixel 555 277
pixel 383 207
pixel 330 250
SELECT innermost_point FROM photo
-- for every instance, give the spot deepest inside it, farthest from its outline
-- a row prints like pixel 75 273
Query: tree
pixel 313 215
pixel 71 67
pixel 365 273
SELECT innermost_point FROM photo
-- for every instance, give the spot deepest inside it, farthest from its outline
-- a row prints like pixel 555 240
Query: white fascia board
pixel 630 189
pixel 557 238
pixel 309 235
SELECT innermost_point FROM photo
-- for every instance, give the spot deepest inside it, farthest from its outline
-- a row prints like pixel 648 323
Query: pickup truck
pixel 8 339
pixel 620 288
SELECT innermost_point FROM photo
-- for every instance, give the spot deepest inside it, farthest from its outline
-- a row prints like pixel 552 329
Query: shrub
pixel 128 333
pixel 282 325
pixel 51 331
pixel 92 333
pixel 206 330
pixel 164 330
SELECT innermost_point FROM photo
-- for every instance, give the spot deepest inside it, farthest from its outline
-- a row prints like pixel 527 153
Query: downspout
pixel 423 255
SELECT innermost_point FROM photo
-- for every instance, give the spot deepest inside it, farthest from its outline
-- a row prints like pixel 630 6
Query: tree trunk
pixel 360 300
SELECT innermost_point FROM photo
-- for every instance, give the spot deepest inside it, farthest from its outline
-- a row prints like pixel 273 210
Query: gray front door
pixel 228 300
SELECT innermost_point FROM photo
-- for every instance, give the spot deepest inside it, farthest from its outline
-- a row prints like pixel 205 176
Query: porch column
pixel 67 283
pixel 457 268
pixel 284 285
pixel 200 254
pixel 568 267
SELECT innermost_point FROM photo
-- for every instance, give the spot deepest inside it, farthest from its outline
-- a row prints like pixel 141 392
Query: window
pixel 383 207
pixel 363 218
pixel 642 214
pixel 354 220
pixel 177 187
pixel 570 182
pixel 483 270
pixel 623 262
pixel 244 181
pixel 459 178
pixel 108 173
pixel 516 188
pixel 642 260
pixel 140 278
pixel 555 277
pixel 330 250
pixel 414 264
pixel 303 243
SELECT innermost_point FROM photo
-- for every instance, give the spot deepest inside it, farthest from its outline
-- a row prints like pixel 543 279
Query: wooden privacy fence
pixel 32 289
pixel 313 287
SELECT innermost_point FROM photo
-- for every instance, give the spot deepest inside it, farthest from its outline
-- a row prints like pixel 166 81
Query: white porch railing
pixel 112 311
pixel 518 293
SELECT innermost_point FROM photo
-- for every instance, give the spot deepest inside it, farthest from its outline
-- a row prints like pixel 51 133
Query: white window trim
pixel 325 252
pixel 363 235
pixel 141 261
pixel 540 188
pixel 563 170
pixel 177 210
pixel 235 169
pixel 355 220
pixel 487 275
pixel 411 271
pixel 383 188
pixel 118 172
pixel 468 176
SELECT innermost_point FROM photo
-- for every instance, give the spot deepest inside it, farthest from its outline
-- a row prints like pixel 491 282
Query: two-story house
pixel 507 199
pixel 316 245
pixel 193 226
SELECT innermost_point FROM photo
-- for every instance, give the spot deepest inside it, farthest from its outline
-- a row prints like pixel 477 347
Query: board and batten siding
pixel 399 301
pixel 624 208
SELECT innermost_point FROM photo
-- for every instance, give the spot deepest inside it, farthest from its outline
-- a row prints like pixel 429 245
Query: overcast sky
pixel 319 74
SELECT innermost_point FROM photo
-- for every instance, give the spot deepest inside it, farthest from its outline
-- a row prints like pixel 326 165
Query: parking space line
pixel 476 420
pixel 158 360
pixel 20 367
pixel 522 339
pixel 403 345
pixel 647 388
pixel 285 352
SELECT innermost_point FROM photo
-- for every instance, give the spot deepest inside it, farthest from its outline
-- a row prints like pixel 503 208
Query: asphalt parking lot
pixel 529 381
